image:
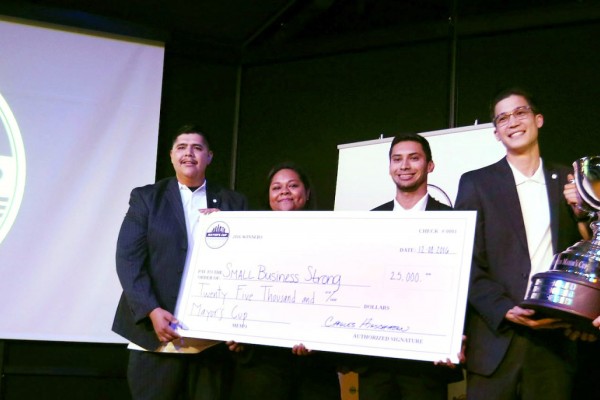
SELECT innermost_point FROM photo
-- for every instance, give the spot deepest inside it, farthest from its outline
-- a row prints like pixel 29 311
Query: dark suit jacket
pixel 410 367
pixel 501 263
pixel 151 253
pixel 432 205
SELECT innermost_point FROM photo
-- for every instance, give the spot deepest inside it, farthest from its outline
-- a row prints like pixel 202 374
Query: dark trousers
pixel 530 370
pixel 390 384
pixel 163 376
pixel 588 370
pixel 274 373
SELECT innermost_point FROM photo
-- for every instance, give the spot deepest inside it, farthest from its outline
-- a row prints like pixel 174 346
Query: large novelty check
pixel 374 283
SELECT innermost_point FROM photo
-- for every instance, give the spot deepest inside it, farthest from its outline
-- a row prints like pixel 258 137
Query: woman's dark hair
pixel 311 203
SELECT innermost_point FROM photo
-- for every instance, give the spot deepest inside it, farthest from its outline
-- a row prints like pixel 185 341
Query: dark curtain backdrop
pixel 302 110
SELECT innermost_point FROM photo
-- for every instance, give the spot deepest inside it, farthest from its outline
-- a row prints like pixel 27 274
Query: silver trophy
pixel 570 290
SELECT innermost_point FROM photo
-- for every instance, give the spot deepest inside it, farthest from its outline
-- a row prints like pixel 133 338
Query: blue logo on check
pixel 217 235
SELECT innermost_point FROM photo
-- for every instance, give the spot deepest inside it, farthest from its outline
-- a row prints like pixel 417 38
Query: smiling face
pixel 287 191
pixel 190 156
pixel 409 166
pixel 518 135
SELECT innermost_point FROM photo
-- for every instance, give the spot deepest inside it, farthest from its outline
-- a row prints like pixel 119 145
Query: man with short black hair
pixel 153 250
pixel 386 378
pixel 410 163
pixel 522 220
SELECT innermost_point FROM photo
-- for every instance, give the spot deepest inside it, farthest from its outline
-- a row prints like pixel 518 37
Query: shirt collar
pixel 419 205
pixel 182 186
pixel 537 177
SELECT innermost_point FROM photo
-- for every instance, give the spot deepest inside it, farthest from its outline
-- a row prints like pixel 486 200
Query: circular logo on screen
pixel 12 168
pixel 217 235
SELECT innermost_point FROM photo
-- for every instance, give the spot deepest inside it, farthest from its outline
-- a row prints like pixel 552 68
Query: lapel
pixel 174 198
pixel 213 199
pixel 554 189
pixel 508 200
pixel 387 206
pixel 431 204
pixel 434 205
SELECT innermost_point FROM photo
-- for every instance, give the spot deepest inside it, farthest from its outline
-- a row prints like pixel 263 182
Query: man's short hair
pixel 412 137
pixel 190 128
pixel 512 91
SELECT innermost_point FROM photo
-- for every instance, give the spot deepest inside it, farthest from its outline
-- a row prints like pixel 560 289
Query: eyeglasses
pixel 519 113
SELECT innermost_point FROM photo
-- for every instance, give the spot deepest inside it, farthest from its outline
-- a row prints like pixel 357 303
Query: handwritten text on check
pixel 377 283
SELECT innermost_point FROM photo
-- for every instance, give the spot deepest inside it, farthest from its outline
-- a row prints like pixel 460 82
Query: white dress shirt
pixel 535 207
pixel 419 206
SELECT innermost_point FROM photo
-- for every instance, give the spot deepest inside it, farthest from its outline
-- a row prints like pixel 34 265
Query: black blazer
pixel 501 263
pixel 362 364
pixel 432 205
pixel 151 252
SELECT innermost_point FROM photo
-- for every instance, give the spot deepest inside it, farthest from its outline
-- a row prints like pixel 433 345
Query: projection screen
pixel 79 115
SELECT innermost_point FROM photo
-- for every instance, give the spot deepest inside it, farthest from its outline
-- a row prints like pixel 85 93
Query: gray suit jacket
pixel 151 253
pixel 501 263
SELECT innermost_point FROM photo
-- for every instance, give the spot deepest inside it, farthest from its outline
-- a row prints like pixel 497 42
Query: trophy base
pixel 565 296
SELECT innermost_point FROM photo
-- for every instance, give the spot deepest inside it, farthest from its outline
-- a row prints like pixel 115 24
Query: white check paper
pixel 374 283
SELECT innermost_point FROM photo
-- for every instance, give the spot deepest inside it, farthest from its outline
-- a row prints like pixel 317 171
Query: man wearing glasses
pixel 522 220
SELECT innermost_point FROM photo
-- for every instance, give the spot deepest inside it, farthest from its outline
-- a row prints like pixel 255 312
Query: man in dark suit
pixel 153 250
pixel 522 220
pixel 410 163
pixel 385 378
